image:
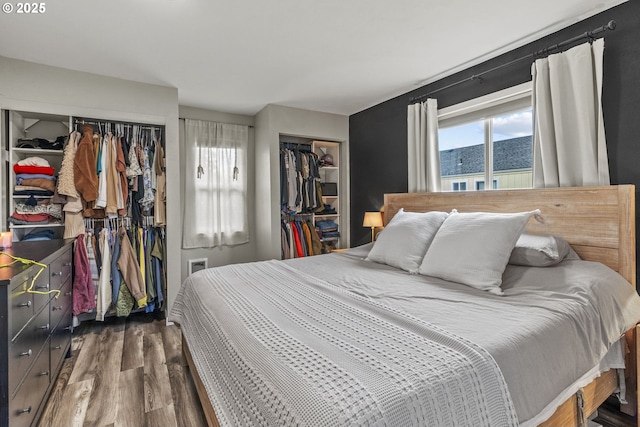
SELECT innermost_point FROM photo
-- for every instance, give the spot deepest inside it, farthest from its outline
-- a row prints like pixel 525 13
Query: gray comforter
pixel 337 340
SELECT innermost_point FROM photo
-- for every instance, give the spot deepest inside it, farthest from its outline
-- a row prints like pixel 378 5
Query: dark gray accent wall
pixel 378 135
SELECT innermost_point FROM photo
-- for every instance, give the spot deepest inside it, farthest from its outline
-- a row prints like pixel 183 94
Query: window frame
pixel 459 182
pixel 495 186
pixel 482 108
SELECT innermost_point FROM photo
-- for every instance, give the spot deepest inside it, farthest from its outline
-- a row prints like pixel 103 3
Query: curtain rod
pixel 611 25
pixel 237 124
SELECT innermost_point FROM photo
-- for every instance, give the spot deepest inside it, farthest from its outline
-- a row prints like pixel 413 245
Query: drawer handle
pixel 25 304
pixel 58 347
pixel 44 374
pixel 43 287
pixel 27 353
pixel 24 411
pixel 67 264
pixel 56 274
pixel 56 307
pixel 67 294
pixel 43 327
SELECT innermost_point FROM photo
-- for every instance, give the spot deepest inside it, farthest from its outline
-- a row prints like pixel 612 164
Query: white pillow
pixel 474 248
pixel 404 241
pixel 539 251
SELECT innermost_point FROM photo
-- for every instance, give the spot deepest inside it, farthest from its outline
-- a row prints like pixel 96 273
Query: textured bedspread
pixel 548 333
pixel 277 347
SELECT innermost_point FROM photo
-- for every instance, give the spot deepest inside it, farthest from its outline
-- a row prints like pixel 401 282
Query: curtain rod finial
pixel 611 25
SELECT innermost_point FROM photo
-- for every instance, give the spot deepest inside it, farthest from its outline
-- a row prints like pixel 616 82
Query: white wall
pixel 225 254
pixel 28 86
pixel 272 121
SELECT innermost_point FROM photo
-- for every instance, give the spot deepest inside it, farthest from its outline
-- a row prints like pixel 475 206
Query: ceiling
pixel 338 56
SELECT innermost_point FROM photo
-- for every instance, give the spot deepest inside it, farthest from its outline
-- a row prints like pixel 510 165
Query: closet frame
pixel 110 125
pixel 335 173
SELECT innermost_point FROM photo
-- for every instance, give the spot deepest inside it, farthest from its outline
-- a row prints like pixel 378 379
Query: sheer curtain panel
pixel 422 141
pixel 569 146
pixel 215 209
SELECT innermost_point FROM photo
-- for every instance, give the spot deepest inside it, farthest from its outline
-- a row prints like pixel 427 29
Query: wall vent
pixel 197 265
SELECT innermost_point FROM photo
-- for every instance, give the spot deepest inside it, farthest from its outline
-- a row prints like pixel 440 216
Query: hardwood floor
pixel 124 372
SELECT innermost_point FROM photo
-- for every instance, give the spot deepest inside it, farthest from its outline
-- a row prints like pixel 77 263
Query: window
pixel 480 184
pixel 488 139
pixel 459 185
pixel 230 192
pixel 216 176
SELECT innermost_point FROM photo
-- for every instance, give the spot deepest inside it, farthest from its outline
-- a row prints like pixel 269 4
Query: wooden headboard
pixel 598 222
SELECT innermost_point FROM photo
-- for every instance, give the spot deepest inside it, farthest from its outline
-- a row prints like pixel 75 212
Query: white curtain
pixel 424 154
pixel 215 209
pixel 569 146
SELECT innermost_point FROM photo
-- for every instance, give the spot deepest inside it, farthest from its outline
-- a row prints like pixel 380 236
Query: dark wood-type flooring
pixel 124 372
pixel 131 373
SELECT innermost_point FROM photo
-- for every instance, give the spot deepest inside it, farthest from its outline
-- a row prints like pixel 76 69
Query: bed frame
pixel 598 222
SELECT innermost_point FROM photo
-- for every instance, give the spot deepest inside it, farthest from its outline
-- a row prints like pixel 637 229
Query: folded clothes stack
pixel 29 219
pixel 33 210
pixel 34 177
pixel 39 234
pixel 327 210
pixel 42 143
pixel 328 229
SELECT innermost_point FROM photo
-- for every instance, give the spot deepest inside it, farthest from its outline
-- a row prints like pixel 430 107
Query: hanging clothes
pixel 93 263
pixel 125 302
pixel 66 184
pixel 113 182
pixel 284 244
pixel 104 287
pixel 116 275
pixel 160 201
pixel 147 196
pixel 307 238
pixel 128 265
pixel 299 181
pixel 157 258
pixel 149 283
pixel 103 159
pixel 117 173
pixel 299 237
pixel 83 290
pixel 296 236
pixel 123 187
pixel 84 177
pixel 73 224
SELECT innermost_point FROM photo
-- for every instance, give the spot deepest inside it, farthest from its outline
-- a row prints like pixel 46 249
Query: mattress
pixel 549 331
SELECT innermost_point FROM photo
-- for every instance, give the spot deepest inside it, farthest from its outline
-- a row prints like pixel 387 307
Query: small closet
pixel 310 197
pixel 118 215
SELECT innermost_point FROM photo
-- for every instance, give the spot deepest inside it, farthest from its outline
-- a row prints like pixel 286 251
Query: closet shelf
pixel 35 225
pixel 26 196
pixel 38 151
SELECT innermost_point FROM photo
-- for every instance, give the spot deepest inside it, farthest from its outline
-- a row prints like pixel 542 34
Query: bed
pixel 290 364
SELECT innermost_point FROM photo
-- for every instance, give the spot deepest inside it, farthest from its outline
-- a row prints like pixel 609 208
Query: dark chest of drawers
pixel 35 328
